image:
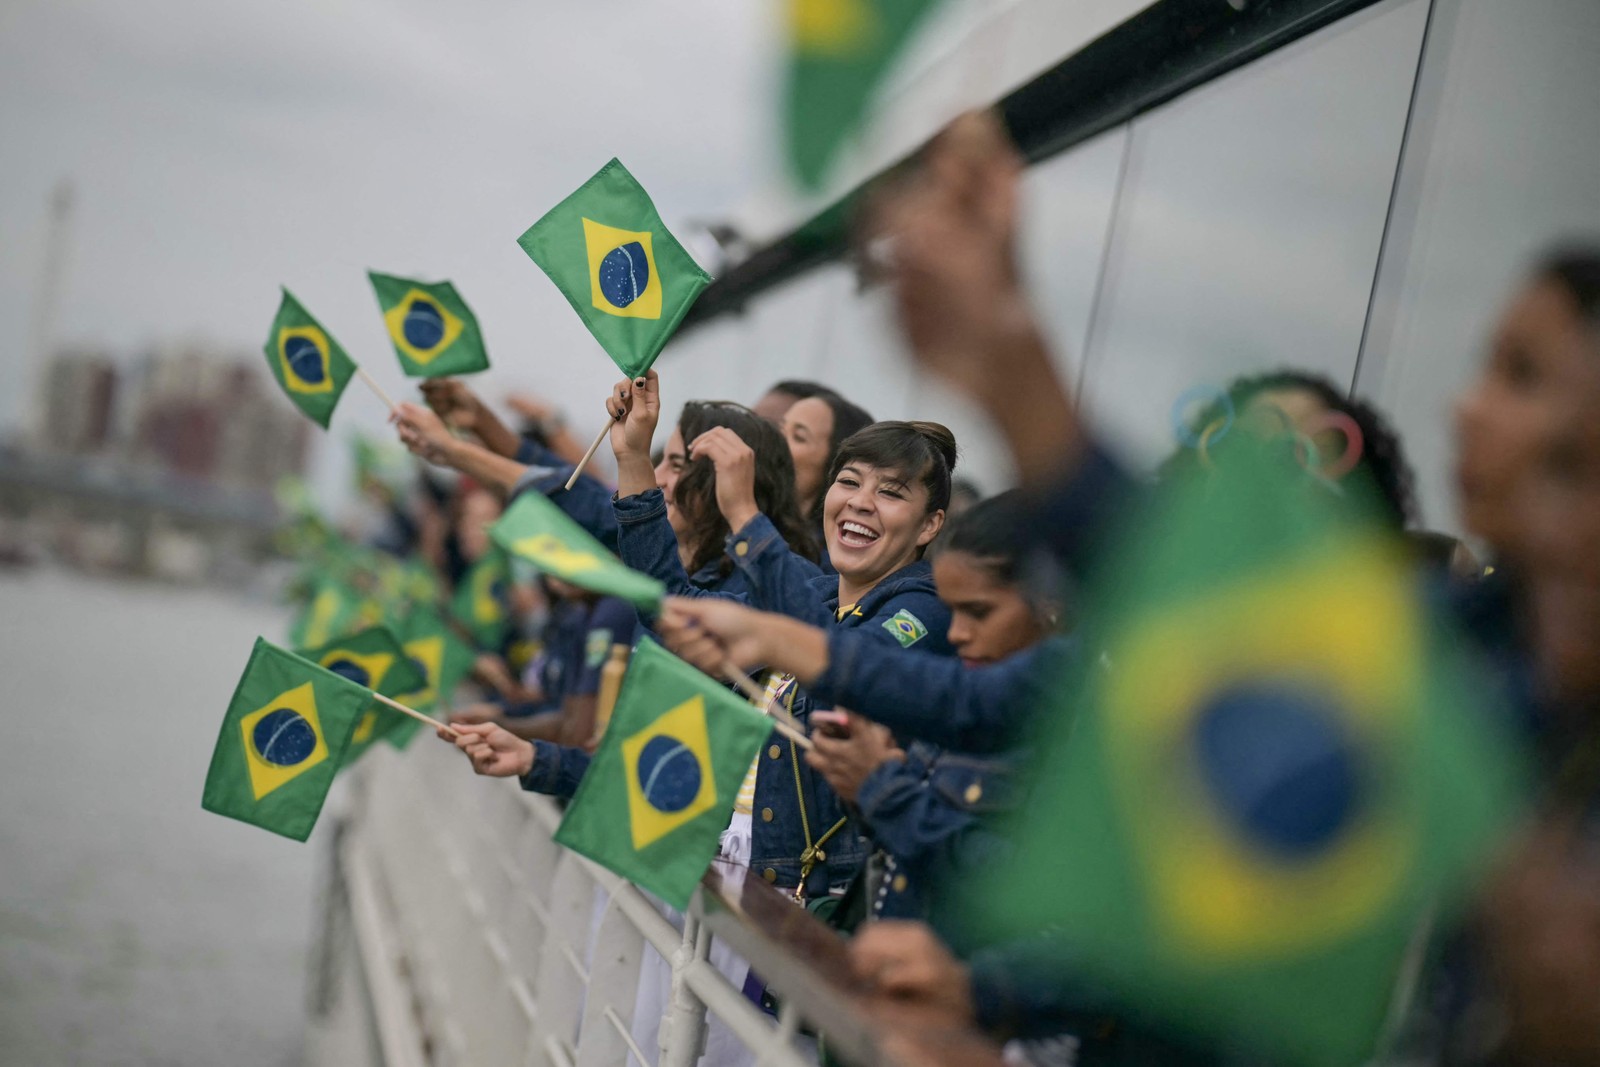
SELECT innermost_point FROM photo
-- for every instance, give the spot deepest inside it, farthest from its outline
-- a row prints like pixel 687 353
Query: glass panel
pixel 1502 161
pixel 1250 221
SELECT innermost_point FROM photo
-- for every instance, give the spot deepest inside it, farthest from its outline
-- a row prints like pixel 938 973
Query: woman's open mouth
pixel 855 535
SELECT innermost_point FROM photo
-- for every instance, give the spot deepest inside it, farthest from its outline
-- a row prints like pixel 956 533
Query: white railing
pixel 456 932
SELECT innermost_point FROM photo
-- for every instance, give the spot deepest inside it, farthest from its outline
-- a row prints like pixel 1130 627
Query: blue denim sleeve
pixel 646 543
pixel 923 826
pixel 1071 518
pixel 934 698
pixel 556 770
pixel 780 580
pixel 588 502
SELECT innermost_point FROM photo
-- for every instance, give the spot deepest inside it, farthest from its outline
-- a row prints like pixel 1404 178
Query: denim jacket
pixel 931 813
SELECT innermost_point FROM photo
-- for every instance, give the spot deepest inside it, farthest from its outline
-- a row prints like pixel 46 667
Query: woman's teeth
pixel 856 535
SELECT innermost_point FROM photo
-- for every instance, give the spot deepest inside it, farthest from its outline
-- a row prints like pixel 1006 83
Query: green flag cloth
pixel 283 739
pixel 658 795
pixel 1270 764
pixel 331 612
pixel 308 363
pixel 623 272
pixel 538 531
pixel 372 658
pixel 433 331
pixel 839 52
pixel 479 603
pixel 444 661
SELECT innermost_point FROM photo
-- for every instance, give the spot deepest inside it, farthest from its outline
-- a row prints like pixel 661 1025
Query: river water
pixel 134 927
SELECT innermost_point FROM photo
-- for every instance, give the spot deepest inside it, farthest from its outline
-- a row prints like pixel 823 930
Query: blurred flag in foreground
pixel 658 795
pixel 1276 768
pixel 839 51
pixel 479 603
pixel 371 658
pixel 308 363
pixel 623 272
pixel 330 612
pixel 283 739
pixel 442 658
pixel 538 531
pixel 433 331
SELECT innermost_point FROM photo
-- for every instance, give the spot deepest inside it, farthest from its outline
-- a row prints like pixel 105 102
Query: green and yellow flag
pixel 1270 765
pixel 308 363
pixel 331 611
pixel 372 658
pixel 839 52
pixel 535 530
pixel 284 737
pixel 443 659
pixel 479 603
pixel 662 785
pixel 615 261
pixel 433 331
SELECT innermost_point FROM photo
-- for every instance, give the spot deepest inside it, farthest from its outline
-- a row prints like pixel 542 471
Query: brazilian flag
pixel 433 331
pixel 839 51
pixel 538 531
pixel 442 658
pixel 308 363
pixel 371 658
pixel 479 603
pixel 615 261
pixel 331 611
pixel 1272 763
pixel 284 737
pixel 662 785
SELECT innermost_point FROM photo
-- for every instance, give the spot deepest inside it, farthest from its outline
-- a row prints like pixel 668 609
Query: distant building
pixel 80 396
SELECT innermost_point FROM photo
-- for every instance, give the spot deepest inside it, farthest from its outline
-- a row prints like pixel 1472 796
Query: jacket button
pixel 774 751
pixel 899 883
pixel 974 793
pixel 742 548
pixel 766 814
pixel 770 875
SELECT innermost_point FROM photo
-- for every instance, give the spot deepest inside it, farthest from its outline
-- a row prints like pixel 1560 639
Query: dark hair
pixel 696 493
pixel 1576 268
pixel 798 388
pixel 848 419
pixel 987 531
pixel 1381 457
pixel 918 451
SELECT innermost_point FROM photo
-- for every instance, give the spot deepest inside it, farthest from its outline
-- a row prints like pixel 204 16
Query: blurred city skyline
pixel 217 152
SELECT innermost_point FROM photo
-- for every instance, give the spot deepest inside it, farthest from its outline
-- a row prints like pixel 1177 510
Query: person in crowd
pixel 782 396
pixel 563 682
pixel 815 426
pixel 964 493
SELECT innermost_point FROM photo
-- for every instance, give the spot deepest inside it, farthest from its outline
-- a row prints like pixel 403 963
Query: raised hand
pixel 424 433
pixel 453 401
pixel 735 463
pixel 635 408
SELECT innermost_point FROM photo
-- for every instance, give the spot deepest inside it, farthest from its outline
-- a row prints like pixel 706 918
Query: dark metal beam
pixel 1160 53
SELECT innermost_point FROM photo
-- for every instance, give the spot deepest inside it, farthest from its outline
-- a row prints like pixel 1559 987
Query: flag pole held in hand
pixel 372 384
pixel 587 456
pixel 429 719
pixel 782 721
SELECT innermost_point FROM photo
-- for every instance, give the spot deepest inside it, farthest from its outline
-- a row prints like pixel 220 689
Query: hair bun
pixel 941 438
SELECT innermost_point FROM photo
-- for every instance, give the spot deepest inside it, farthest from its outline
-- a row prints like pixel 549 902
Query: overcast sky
pixel 219 150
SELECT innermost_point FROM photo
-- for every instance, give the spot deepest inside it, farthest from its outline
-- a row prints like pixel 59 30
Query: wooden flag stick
pixel 587 456
pixel 376 388
pixel 415 714
pixel 782 721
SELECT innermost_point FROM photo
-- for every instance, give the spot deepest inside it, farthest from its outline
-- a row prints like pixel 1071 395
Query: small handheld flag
pixel 479 603
pixel 538 531
pixel 663 783
pixel 839 52
pixel 375 659
pixel 1273 767
pixel 620 268
pixel 618 265
pixel 283 738
pixel 310 366
pixel 442 658
pixel 433 331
